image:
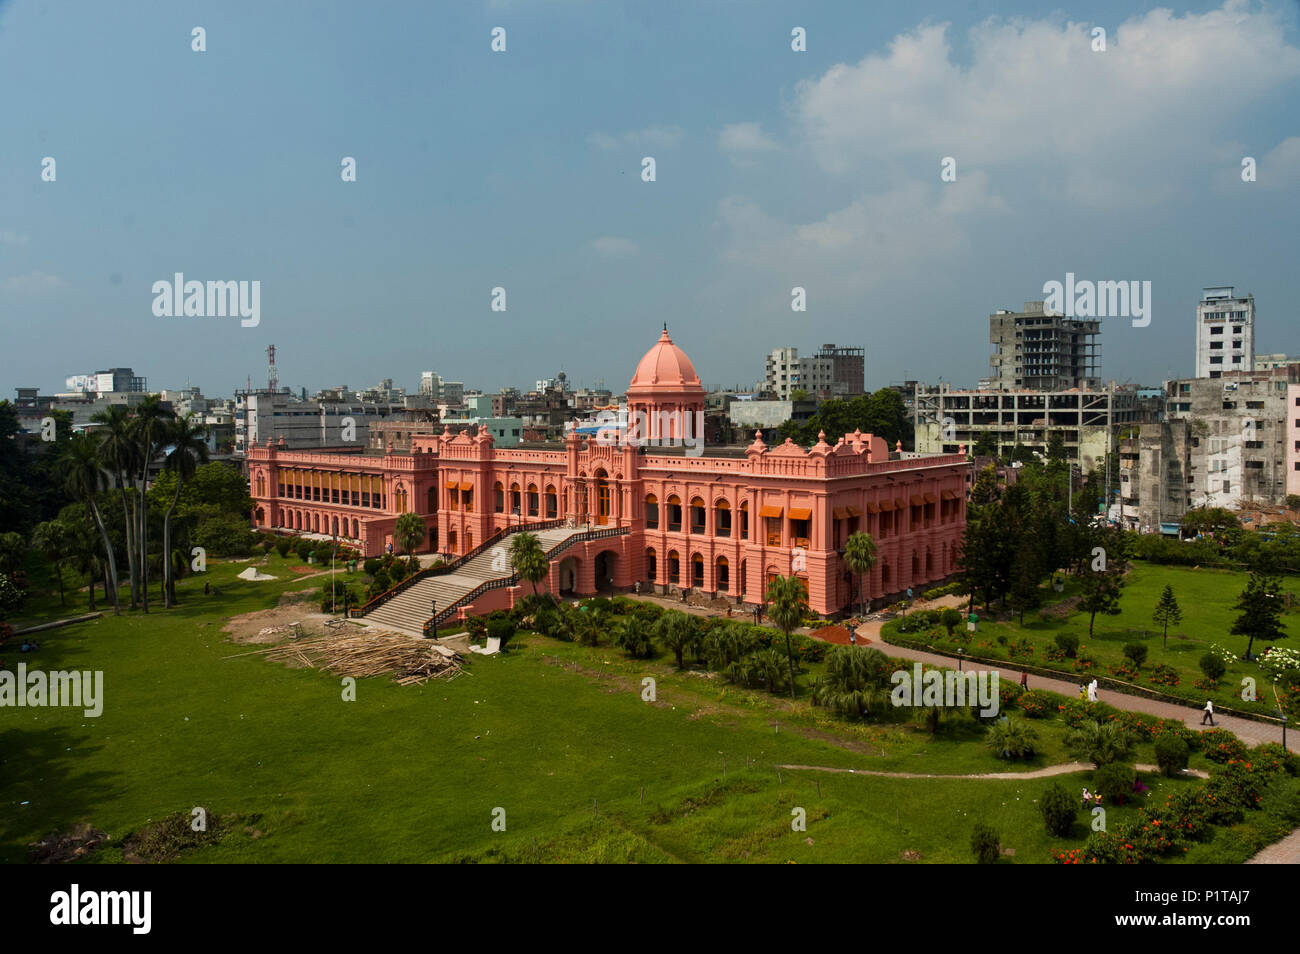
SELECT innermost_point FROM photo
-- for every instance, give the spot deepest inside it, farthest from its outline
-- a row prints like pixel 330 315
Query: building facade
pixel 722 523
pixel 1039 351
pixel 1225 332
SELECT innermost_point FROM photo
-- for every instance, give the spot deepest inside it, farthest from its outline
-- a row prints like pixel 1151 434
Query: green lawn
pixel 414 774
pixel 1206 597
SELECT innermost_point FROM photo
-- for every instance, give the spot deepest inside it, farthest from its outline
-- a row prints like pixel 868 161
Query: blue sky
pixel 522 169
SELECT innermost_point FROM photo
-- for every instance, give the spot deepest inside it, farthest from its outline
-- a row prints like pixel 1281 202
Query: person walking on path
pixel 1092 691
pixel 1024 680
pixel 1209 712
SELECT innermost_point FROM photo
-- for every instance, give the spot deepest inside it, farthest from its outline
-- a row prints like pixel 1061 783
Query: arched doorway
pixel 568 571
pixel 722 575
pixel 606 565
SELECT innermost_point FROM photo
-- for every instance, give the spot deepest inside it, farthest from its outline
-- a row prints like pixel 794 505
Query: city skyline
pixel 774 169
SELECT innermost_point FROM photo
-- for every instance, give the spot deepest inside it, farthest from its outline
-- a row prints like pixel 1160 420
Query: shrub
pixel 1009 694
pixel 1114 781
pixel 267 546
pixel 304 549
pixel 372 565
pixel 1287 760
pixel 1135 653
pixel 379 584
pixel 1171 755
pixel 1222 746
pixel 1212 666
pixel 1100 744
pixel 1011 738
pixel 1162 675
pixel 501 626
pixel 1057 806
pixel 282 547
pixel 950 618
pixel 1067 643
pixel 1038 704
pixel 984 844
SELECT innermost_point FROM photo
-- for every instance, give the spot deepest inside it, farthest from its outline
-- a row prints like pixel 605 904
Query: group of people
pixel 1091 800
pixel 1088 693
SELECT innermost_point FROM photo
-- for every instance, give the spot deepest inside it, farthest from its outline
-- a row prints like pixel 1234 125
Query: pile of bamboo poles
pixel 411 661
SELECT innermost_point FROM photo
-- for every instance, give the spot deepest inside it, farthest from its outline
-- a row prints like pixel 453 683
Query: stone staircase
pixel 407 611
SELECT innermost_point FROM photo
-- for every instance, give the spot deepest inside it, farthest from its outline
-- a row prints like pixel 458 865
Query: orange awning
pixel 466 485
pixel 770 511
pixel 917 500
pixel 853 511
pixel 931 498
pixel 899 503
pixel 873 508
pixel 800 513
pixel 950 495
pixel 452 485
pixel 840 513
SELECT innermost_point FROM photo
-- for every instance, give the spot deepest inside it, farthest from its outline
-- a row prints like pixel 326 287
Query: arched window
pixel 552 503
pixel 651 512
pixel 516 503
pixel 722 575
pixel 697 571
pixel 498 498
pixel 722 519
pixel 431 500
pixel 697 515
pixel 652 564
pixel 674 514
pixel 451 541
pixel 261 485
pixel 602 498
pixel 532 500
pixel 744 520
pixel 674 567
pixel 469 540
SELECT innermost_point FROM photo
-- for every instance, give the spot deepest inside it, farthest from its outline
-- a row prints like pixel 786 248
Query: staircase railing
pixel 442 569
pixel 430 626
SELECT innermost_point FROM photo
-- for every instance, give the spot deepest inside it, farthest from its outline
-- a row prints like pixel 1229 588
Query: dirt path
pixel 1067 768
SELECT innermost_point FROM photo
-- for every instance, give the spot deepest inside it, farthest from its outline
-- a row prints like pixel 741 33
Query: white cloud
pixel 612 246
pixel 1280 165
pixel 744 137
pixel 1035 93
pixel 33 283
pixel 656 137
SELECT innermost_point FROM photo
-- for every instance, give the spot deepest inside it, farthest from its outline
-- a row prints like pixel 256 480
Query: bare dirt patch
pixel 72 845
pixel 298 614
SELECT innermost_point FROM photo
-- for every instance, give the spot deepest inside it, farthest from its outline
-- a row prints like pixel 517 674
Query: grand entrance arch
pixel 606 570
pixel 568 571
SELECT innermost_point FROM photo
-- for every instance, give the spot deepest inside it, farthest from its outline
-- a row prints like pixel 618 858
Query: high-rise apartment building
pixel 1225 332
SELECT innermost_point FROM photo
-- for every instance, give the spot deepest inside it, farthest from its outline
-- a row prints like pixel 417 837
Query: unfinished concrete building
pixel 1043 352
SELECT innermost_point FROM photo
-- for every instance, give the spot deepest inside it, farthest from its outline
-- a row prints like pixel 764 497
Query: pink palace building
pixel 721 523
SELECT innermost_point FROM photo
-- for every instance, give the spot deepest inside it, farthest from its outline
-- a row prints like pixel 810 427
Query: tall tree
pixel 860 555
pixel 185 450
pixel 1167 612
pixel 119 451
pixel 149 424
pixel 787 599
pixel 1261 609
pixel 409 532
pixel 51 539
pixel 83 479
pixel 679 632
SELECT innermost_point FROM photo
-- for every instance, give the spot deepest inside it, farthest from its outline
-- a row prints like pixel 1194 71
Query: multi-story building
pixel 1039 351
pixel 1225 332
pixel 1267 362
pixel 722 523
pixel 1088 421
pixel 110 381
pixel 262 415
pixel 831 372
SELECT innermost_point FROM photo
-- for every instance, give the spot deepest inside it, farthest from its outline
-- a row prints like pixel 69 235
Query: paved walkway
pixel 1066 768
pixel 1249 731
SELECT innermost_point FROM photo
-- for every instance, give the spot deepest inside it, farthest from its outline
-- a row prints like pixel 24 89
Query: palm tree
pixel 186 448
pixel 860 557
pixel 787 599
pixel 632 636
pixel 679 633
pixel 528 559
pixel 1099 743
pixel 51 538
pixel 855 680
pixel 118 450
pixel 83 479
pixel 410 532
pixel 150 422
